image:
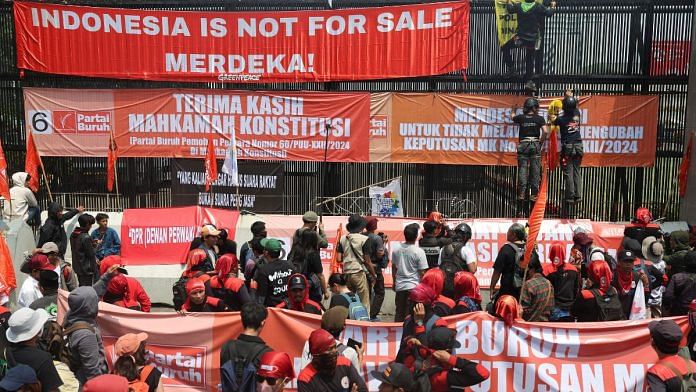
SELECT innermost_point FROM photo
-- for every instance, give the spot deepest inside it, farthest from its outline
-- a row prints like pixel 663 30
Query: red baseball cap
pixel 40 262
pixel 276 365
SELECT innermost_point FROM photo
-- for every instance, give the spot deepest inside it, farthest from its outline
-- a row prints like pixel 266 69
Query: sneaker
pixel 578 199
pixel 375 320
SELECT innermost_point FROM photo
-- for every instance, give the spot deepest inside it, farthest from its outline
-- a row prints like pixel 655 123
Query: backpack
pixel 239 373
pixel 688 383
pixel 609 306
pixel 65 354
pixel 356 309
pixel 518 276
pixel 140 383
pixel 179 293
pixel 450 265
pixel 51 339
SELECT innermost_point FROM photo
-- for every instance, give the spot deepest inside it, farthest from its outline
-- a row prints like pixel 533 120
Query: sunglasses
pixel 269 380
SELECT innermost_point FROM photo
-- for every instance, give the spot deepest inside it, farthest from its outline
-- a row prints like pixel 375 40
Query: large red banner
pixel 610 356
pixel 163 235
pixel 293 46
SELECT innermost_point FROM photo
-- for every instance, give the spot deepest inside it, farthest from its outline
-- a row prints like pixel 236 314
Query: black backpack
pixel 179 293
pixel 238 374
pixel 451 264
pixel 608 305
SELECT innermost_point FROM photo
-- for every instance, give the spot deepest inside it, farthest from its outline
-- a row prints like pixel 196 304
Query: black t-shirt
pixel 340 300
pixel 570 127
pixel 530 125
pixel 153 379
pixel 505 264
pixel 529 23
pixel 272 280
pixel 41 362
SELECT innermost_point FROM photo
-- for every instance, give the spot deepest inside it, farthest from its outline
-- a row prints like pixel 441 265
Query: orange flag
pixel 32 163
pixel 684 168
pixel 335 266
pixel 7 272
pixel 111 164
pixel 211 172
pixel 536 217
pixel 4 184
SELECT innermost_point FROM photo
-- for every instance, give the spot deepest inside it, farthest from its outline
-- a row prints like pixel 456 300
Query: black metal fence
pixel 595 46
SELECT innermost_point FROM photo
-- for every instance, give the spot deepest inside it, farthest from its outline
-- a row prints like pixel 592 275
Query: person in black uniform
pixel 571 148
pixel 532 136
pixel 530 24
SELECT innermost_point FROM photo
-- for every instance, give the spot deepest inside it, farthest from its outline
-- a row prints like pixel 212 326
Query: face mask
pixel 326 364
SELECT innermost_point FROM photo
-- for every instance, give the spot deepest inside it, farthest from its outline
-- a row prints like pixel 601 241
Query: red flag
pixel 536 217
pixel 684 168
pixel 554 159
pixel 335 266
pixel 210 164
pixel 4 184
pixel 111 164
pixel 7 272
pixel 32 163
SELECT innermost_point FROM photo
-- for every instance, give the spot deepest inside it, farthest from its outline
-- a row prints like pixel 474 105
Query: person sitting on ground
pixel 669 371
pixel 681 290
pixel 23 333
pixel 341 295
pixel 421 319
pixel 537 297
pixel 224 244
pixel 198 301
pixel 396 377
pixel 48 284
pixel 275 371
pixel 136 292
pixel 679 246
pixel 566 282
pixel 85 340
pixel 226 285
pixel 23 204
pixel 446 371
pixel 105 238
pixel 298 296
pixel 30 292
pixel 626 280
pixel 66 275
pixel 20 378
pixel 601 292
pixel 334 321
pixel 133 363
pixel 409 263
pixel 466 288
pixel 307 261
pixel 248 345
pixel 196 266
pixel 272 276
pixel 210 235
pixel 435 279
pixel 53 229
pixel 107 383
pixel 84 257
pixel 328 371
pixel 119 293
pixel 310 221
pixel 507 309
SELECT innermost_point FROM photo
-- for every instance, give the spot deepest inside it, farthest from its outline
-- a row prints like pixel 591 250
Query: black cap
pixel 626 255
pixel 48 279
pixel 443 338
pixel 296 282
pixel 395 374
pixel 666 334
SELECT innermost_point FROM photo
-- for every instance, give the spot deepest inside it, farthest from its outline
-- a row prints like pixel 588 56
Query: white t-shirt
pixel 29 292
pixel 466 253
pixel 348 352
pixel 408 259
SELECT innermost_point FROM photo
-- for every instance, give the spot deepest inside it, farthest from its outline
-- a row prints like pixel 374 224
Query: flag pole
pixel 43 171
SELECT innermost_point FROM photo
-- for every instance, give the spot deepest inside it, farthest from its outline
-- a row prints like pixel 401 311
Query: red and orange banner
pixel 524 357
pixel 252 47
pixel 428 128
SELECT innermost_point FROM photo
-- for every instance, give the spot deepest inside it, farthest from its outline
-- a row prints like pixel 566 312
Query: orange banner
pixel 618 130
pixel 610 356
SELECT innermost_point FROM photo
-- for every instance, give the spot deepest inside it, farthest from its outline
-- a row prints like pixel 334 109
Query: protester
pixel 22 203
pixel 198 301
pixel 467 292
pixel 532 135
pixel 653 251
pixel 507 309
pixel 120 294
pixel 21 378
pixel 53 230
pixel 626 279
pixel 566 282
pixel 66 274
pixel 380 260
pixel 505 265
pixel 537 296
pixel 298 296
pixel 586 251
pixel 656 279
pixel 409 263
pixel 435 279
pixel 258 231
pixel 670 369
pixel 431 243
pixel 136 292
pixel 196 265
pixel 23 332
pixel 422 319
pixel 107 383
pixel 679 246
pixel 600 301
pixel 328 371
pixel 210 236
pixel 226 285
pixel 84 335
pixel 133 363
pixel 48 284
pixel 341 294
pixel 571 149
pixel 642 225
pixel 457 252
pixel 307 261
pixel 255 258
pixel 83 256
pixel 681 290
pixel 309 222
pixel 30 292
pixel 354 253
pixel 248 346
pixel 334 321
pixel 272 276
pixel 275 371
pixel 226 246
pixel 105 239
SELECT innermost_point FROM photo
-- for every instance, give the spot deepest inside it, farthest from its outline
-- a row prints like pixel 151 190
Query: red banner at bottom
pixel 610 356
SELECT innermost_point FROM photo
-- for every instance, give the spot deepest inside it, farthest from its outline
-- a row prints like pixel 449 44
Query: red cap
pixel 320 341
pixel 276 365
pixel 194 285
pixel 40 262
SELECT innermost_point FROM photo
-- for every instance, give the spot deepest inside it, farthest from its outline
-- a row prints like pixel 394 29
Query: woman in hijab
pixel 195 264
pixel 566 282
pixel 435 279
pixel 226 285
pixel 587 307
pixel 467 290
pixel 421 319
pixel 119 293
pixel 508 309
